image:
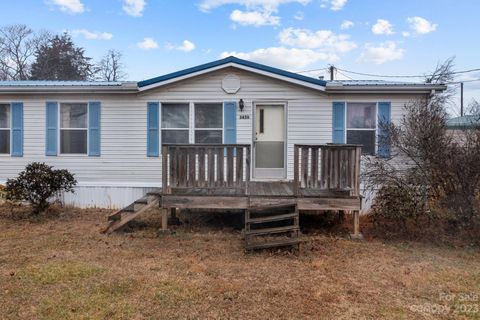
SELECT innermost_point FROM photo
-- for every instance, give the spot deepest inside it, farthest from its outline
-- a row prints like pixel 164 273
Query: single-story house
pixel 109 134
pixel 464 122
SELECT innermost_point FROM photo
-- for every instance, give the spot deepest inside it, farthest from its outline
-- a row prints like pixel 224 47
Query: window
pixel 5 128
pixel 208 123
pixel 175 122
pixel 362 125
pixel 73 128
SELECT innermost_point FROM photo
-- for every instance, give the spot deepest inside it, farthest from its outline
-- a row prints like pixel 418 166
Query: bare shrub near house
pixel 430 178
pixel 38 183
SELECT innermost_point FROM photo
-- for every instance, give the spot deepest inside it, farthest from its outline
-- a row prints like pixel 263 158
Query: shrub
pixel 3 192
pixel 430 176
pixel 397 206
pixel 38 183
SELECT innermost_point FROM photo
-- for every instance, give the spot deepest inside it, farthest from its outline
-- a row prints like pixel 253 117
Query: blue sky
pixel 372 36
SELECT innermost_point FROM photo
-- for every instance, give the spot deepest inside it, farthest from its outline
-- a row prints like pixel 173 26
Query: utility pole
pixel 332 72
pixel 461 99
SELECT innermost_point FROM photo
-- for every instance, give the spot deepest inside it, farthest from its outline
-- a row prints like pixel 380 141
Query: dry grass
pixel 63 268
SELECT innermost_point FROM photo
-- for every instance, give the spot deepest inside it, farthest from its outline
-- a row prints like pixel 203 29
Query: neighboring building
pixel 109 134
pixel 464 122
pixel 460 125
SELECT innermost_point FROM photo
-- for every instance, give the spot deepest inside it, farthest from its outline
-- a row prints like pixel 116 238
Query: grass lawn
pixel 63 268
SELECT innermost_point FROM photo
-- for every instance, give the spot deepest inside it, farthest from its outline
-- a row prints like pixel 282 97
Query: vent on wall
pixel 231 84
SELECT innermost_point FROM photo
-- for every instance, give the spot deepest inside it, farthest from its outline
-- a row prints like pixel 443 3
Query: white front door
pixel 269 141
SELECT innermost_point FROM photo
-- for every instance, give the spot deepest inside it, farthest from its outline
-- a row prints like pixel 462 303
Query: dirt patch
pixel 63 268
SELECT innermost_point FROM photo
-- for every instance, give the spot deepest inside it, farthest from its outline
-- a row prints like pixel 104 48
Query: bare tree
pixel 434 175
pixel 111 67
pixel 474 108
pixel 18 44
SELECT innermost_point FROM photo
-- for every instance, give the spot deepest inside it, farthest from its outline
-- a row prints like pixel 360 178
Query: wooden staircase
pixel 121 217
pixel 271 226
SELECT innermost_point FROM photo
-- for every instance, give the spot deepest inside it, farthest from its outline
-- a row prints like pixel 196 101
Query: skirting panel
pixel 104 196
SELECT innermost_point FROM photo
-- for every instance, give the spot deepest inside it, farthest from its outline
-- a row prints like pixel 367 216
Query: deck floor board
pixel 262 189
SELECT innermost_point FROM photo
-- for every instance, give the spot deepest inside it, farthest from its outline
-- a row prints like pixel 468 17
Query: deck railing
pixel 330 167
pixel 217 166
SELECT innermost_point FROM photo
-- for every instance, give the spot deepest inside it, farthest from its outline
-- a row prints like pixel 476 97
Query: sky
pixel 407 37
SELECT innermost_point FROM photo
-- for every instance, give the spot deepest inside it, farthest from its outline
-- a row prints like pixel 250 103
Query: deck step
pixel 143 200
pixel 272 244
pixel 272 218
pixel 272 206
pixel 156 192
pixel 257 232
pixel 121 217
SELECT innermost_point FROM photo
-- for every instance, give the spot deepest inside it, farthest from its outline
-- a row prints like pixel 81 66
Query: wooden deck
pixel 326 177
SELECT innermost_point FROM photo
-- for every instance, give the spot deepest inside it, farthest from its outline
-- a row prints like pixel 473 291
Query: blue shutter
pixel 52 129
pixel 17 129
pixel 230 122
pixel 153 132
pixel 338 122
pixel 94 114
pixel 384 117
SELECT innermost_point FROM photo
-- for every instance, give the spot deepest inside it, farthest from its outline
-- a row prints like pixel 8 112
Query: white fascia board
pixel 235 65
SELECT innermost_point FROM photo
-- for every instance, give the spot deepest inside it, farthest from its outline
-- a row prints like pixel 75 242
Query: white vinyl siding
pixel 124 166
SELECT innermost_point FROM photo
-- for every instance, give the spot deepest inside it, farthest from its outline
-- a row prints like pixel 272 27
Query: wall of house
pixel 116 177
pixel 123 172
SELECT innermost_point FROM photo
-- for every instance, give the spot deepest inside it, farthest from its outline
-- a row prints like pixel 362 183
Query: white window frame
pixel 182 129
pixel 191 118
pixel 209 129
pixel 8 129
pixel 363 129
pixel 59 141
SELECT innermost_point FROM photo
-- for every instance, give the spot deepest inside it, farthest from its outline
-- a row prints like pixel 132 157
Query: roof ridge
pixel 231 59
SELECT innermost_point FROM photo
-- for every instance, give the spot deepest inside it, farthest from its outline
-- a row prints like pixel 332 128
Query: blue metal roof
pixel 227 60
pixel 465 122
pixel 375 83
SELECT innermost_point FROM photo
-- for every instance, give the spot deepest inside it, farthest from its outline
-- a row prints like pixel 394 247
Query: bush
pixel 433 175
pixel 37 184
pixel 397 206
pixel 3 192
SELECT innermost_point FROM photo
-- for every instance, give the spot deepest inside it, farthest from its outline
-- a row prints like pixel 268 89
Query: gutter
pixel 385 89
pixel 124 89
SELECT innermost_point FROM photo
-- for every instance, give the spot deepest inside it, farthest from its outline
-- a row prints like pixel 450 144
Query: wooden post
pixel 356 226
pixel 164 219
pixel 296 164
pixel 165 170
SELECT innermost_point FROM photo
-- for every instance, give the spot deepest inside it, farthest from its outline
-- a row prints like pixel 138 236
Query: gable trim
pixel 237 63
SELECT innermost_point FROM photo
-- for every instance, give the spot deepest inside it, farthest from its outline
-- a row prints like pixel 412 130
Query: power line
pixel 343 74
pixel 464 81
pixel 387 76
pixel 312 70
pixel 404 76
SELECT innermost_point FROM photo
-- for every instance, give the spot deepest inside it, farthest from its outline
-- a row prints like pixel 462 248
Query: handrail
pixel 331 167
pixel 205 165
pixel 204 145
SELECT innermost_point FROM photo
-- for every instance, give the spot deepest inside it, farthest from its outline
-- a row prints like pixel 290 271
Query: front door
pixel 269 141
